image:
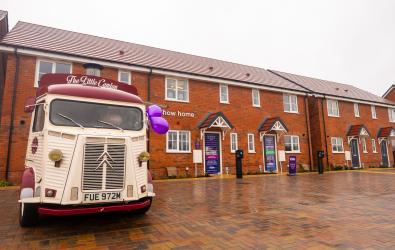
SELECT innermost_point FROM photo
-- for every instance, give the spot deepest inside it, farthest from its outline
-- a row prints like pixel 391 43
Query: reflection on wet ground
pixel 338 210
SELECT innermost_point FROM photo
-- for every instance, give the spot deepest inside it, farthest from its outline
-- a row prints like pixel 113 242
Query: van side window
pixel 39 118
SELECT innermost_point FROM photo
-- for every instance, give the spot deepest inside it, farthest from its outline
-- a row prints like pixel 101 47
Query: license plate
pixel 104 196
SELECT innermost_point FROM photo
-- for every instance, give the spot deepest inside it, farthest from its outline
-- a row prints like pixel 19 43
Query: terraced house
pixel 213 107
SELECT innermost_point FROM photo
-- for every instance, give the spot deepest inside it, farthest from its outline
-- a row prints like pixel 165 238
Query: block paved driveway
pixel 349 210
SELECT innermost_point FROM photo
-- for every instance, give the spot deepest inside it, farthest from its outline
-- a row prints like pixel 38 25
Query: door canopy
pixel 357 130
pixel 386 132
pixel 215 120
pixel 273 124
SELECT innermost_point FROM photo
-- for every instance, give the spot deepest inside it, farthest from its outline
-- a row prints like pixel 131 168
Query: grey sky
pixel 345 41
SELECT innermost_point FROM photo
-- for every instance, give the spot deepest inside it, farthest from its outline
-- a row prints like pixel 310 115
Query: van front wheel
pixel 28 214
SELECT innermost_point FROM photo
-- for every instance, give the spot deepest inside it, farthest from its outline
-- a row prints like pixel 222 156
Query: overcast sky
pixel 344 41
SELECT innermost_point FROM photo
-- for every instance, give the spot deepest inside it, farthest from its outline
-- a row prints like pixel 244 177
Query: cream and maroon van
pixel 87 149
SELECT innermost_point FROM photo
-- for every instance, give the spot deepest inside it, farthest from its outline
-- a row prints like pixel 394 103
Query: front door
pixel 270 153
pixel 354 153
pixel 212 153
pixel 384 153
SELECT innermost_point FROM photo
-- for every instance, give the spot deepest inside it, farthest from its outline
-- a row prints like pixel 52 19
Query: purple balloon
pixel 159 124
pixel 154 111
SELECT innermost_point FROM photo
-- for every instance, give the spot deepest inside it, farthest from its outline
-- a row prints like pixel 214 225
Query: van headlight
pixel 55 155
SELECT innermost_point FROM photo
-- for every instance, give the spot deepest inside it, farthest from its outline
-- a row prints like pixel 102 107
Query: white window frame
pixel 177 143
pixel 290 103
pixel 176 96
pixel 373 110
pixel 292 144
pixel 342 145
pixel 227 93
pixel 356 110
pixel 233 142
pixel 391 112
pixel 374 146
pixel 256 91
pixel 251 140
pixel 364 146
pixel 38 60
pixel 129 76
pixel 329 107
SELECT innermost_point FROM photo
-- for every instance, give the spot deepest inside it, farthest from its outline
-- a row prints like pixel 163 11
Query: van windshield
pixel 95 115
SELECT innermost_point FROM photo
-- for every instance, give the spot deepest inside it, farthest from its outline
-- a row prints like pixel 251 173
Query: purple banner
pixel 212 153
pixel 292 165
pixel 270 153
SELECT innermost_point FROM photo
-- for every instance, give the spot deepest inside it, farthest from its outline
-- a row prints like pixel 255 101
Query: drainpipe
pixel 11 124
pixel 307 113
pixel 148 100
pixel 326 142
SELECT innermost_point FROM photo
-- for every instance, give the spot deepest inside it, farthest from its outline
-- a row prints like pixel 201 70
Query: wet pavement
pixel 342 210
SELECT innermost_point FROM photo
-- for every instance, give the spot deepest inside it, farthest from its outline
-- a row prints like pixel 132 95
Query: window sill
pixel 340 152
pixel 336 116
pixel 178 152
pixel 175 100
pixel 291 112
pixel 256 106
pixel 375 118
pixel 293 152
pixel 251 152
pixel 224 102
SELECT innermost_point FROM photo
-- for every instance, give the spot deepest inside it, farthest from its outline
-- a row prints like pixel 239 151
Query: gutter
pixel 11 124
pixel 323 121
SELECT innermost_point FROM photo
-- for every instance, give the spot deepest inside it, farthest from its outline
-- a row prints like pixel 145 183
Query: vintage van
pixel 87 149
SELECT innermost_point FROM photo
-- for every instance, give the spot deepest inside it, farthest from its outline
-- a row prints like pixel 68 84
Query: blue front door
pixel 384 154
pixel 354 153
pixel 212 153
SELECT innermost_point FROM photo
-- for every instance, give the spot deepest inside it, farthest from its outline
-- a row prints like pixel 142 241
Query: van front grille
pixel 104 167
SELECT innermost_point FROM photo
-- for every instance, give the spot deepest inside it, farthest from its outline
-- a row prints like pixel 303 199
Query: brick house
pixel 345 118
pixel 211 105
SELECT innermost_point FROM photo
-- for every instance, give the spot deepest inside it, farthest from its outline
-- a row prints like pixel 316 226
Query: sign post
pixel 292 166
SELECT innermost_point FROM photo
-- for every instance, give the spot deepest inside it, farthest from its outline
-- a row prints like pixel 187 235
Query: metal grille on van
pixel 104 167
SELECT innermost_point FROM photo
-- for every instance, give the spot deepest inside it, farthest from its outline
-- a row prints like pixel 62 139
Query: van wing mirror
pixel 30 104
pixel 157 122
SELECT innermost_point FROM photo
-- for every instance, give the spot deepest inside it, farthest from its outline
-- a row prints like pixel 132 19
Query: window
pixel 178 141
pixel 333 108
pixel 124 76
pixel 47 66
pixel 233 142
pixel 290 103
pixel 391 114
pixel 374 148
pixel 39 118
pixel 374 114
pixel 356 109
pixel 223 94
pixel 95 115
pixel 177 90
pixel 291 144
pixel 93 71
pixel 364 149
pixel 337 145
pixel 256 102
pixel 251 143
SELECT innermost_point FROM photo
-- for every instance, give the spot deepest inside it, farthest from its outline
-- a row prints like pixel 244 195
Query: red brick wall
pixel 203 98
pixel 337 127
pixel 391 95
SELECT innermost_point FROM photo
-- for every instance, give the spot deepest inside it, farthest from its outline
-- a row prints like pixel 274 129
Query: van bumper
pixel 65 211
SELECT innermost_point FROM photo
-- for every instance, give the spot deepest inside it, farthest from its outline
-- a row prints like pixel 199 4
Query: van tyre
pixel 28 214
pixel 144 210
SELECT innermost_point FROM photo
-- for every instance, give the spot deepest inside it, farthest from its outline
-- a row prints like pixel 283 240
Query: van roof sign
pixel 84 80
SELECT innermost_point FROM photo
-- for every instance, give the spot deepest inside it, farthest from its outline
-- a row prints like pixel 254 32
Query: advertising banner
pixel 292 165
pixel 270 153
pixel 212 153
